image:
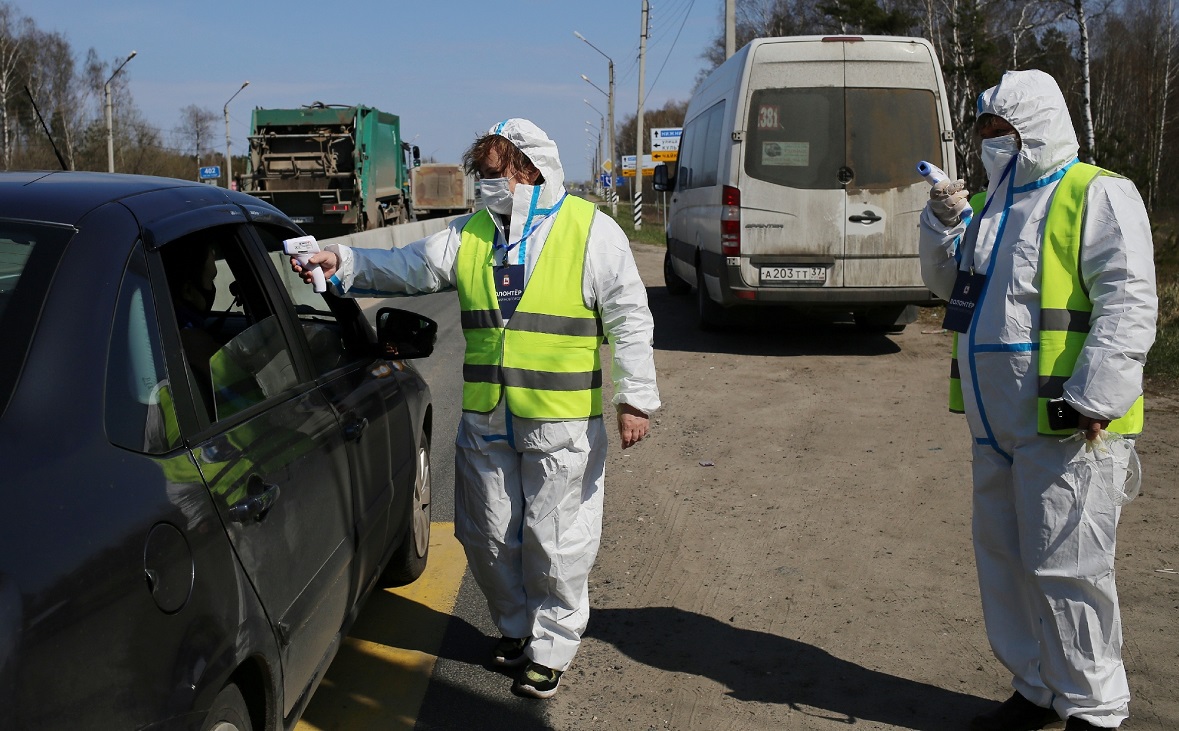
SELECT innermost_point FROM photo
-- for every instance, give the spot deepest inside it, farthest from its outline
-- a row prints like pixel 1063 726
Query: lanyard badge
pixel 960 309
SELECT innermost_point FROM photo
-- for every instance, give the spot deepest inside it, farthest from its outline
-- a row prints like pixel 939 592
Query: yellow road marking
pixel 381 673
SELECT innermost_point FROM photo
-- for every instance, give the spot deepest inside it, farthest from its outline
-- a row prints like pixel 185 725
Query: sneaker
pixel 538 681
pixel 1015 714
pixel 509 652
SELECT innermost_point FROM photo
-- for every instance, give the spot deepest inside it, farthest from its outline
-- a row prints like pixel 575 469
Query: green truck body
pixel 334 170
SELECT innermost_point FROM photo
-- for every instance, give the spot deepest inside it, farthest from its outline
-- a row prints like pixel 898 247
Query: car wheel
pixel 409 560
pixel 674 284
pixel 885 319
pixel 709 314
pixel 229 712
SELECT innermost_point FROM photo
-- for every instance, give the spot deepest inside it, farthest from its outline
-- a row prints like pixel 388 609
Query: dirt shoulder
pixel 790 549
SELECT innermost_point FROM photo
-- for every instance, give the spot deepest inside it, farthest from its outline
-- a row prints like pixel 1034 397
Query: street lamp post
pixel 110 129
pixel 613 168
pixel 228 159
pixel 601 140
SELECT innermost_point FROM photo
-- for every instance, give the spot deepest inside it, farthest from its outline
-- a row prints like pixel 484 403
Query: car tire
pixel 709 314
pixel 885 319
pixel 675 285
pixel 229 712
pixel 409 560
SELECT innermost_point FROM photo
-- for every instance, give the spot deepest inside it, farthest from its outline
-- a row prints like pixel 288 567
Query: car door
pixel 266 441
pixel 363 389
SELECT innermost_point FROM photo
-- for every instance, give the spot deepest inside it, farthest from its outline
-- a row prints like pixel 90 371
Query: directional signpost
pixel 665 144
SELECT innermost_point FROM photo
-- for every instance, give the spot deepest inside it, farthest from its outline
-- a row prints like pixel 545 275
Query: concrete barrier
pixel 390 237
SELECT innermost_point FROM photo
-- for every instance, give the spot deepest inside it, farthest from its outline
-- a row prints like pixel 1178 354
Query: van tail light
pixel 730 221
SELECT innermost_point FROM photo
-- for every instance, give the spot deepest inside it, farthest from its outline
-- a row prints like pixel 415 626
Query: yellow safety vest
pixel 546 360
pixel 1065 307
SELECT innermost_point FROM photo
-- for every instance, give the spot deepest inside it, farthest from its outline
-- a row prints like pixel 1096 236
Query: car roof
pixel 65 197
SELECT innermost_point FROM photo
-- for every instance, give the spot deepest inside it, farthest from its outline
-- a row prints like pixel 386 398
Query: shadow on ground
pixel 768 331
pixel 761 667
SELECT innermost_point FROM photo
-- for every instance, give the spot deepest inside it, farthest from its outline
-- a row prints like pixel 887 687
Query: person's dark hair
pixel 509 156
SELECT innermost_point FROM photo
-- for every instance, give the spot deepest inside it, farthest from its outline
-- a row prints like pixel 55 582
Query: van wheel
pixel 709 314
pixel 409 560
pixel 671 280
pixel 885 319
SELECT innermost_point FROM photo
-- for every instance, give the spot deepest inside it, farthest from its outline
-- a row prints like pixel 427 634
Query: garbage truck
pixel 333 169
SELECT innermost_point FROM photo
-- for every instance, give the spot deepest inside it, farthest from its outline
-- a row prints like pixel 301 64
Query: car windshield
pixel 29 253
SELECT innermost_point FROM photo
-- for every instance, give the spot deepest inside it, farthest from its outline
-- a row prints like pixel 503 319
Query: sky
pixel 450 69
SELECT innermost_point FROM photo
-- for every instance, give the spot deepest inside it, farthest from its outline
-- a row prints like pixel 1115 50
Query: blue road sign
pixel 210 172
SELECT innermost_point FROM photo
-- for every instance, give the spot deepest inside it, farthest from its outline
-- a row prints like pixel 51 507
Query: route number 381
pixel 767 117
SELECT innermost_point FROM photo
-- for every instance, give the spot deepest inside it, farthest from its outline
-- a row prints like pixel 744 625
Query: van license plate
pixel 786 275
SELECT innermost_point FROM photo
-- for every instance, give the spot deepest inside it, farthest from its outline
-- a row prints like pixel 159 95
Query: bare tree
pixel 11 42
pixel 195 131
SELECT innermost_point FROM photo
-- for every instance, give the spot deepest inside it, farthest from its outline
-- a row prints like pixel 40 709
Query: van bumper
pixel 735 293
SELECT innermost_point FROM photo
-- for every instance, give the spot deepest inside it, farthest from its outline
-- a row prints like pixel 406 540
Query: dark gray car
pixel 206 466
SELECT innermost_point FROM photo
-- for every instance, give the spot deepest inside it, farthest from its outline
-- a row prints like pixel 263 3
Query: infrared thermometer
pixel 932 173
pixel 302 247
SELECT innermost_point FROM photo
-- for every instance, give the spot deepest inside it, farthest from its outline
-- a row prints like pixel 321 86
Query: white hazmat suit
pixel 528 494
pixel 1044 542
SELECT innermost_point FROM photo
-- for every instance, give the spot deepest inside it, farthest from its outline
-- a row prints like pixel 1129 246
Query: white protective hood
pixel 542 151
pixel 1033 104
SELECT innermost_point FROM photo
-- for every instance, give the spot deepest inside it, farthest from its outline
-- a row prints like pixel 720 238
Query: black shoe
pixel 509 652
pixel 538 681
pixel 1079 724
pixel 1015 714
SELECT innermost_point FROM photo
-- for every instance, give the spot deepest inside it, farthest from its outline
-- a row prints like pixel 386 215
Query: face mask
pixel 997 153
pixel 497 196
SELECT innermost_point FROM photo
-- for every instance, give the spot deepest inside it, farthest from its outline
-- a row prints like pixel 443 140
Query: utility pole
pixel 228 159
pixel 610 109
pixel 730 28
pixel 639 119
pixel 110 128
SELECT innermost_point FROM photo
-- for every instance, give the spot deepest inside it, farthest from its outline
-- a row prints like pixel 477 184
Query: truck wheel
pixel 709 314
pixel 675 285
pixel 409 560
pixel 229 712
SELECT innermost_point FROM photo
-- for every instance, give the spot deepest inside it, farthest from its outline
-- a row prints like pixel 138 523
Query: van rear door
pixel 892 124
pixel 792 201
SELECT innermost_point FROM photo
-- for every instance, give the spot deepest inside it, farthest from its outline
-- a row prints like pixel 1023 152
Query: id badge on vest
pixel 960 309
pixel 509 287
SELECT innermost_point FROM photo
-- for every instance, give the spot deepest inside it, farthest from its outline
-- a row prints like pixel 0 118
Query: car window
pixel 139 405
pixel 233 343
pixel 29 253
pixel 331 326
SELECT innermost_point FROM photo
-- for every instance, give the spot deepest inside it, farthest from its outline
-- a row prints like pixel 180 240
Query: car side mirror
pixel 663 180
pixel 402 335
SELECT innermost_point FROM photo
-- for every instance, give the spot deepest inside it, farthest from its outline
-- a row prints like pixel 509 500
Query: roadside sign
pixel 607 165
pixel 210 172
pixel 665 155
pixel 666 139
pixel 628 166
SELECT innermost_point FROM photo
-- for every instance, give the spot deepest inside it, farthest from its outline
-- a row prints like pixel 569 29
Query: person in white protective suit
pixel 1044 540
pixel 541 276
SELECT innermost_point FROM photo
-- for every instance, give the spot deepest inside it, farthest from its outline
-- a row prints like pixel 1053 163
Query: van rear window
pixel 802 137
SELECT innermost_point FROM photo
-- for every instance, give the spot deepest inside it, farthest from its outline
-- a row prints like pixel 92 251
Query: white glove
pixel 948 200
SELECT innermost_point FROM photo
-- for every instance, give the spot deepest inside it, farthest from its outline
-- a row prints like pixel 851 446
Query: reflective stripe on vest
pixel 957 405
pixel 546 361
pixel 1065 308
